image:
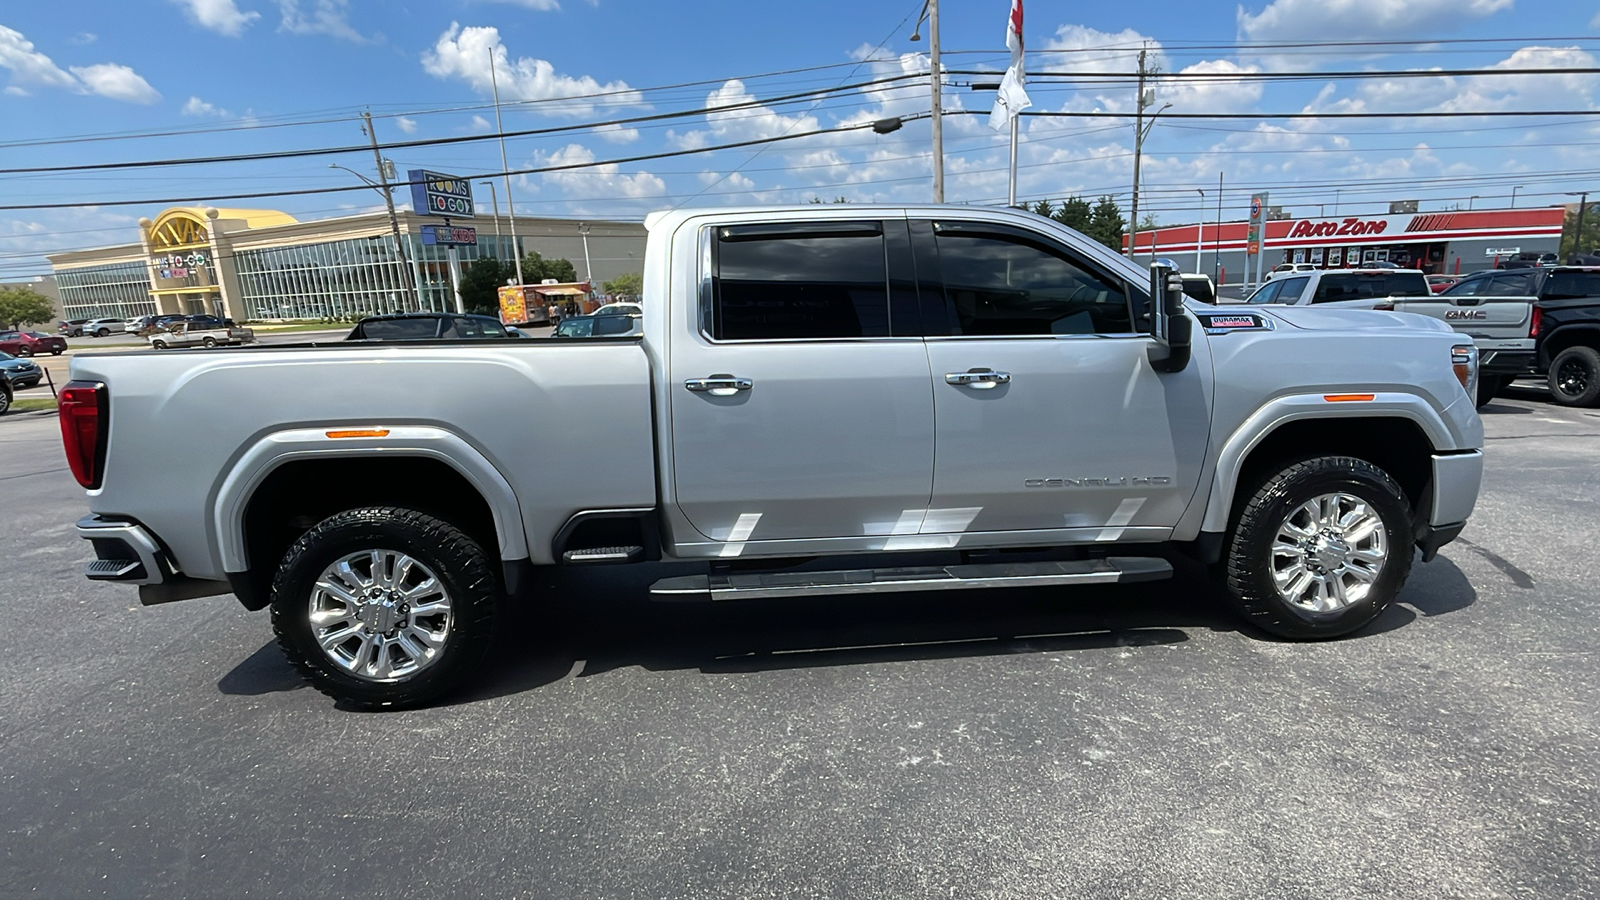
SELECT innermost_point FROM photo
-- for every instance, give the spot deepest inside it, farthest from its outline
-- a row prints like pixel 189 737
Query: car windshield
pixel 583 327
pixel 400 329
pixel 1370 283
pixel 6 357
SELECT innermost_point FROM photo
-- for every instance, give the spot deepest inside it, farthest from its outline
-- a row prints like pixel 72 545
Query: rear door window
pixel 1572 285
pixel 1002 283
pixel 804 280
pixel 1369 284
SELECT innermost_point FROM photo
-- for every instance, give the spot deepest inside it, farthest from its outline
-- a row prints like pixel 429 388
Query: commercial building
pixel 1438 243
pixel 253 264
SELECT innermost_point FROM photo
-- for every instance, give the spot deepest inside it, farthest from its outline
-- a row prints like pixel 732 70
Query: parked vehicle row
pixel 31 343
pixel 195 333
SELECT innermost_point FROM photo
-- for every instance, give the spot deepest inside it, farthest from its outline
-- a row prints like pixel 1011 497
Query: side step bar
pixel 739 586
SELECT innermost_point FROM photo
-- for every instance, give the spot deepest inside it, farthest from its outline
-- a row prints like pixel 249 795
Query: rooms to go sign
pixel 434 194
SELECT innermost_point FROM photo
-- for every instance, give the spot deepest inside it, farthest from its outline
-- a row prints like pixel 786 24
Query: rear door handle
pixel 719 385
pixel 978 379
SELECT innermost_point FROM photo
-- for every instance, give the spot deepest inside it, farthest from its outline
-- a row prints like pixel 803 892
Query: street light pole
pixel 494 201
pixel 1577 231
pixel 588 270
pixel 930 9
pixel 1216 258
pixel 505 167
pixel 1514 190
pixel 1470 201
pixel 1199 229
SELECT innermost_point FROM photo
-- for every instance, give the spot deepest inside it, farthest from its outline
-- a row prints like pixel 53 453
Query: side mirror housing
pixel 1169 324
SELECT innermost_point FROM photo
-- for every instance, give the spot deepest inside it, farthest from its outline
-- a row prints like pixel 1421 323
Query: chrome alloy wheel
pixel 1328 552
pixel 380 615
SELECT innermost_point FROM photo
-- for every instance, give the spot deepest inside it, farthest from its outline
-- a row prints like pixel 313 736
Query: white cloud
pixel 479 123
pixel 603 180
pixel 198 107
pixel 15 91
pixel 221 16
pixel 329 17
pixel 1101 51
pixel 464 54
pixel 84 38
pixel 116 82
pixel 28 65
pixel 616 134
pixel 1361 19
pixel 406 124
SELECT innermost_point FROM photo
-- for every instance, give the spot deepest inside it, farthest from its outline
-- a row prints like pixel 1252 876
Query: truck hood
pixel 1311 318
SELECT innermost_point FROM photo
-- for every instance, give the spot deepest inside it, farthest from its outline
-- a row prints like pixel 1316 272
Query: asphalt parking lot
pixel 1028 743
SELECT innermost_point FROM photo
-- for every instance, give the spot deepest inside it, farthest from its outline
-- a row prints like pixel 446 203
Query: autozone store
pixel 1438 243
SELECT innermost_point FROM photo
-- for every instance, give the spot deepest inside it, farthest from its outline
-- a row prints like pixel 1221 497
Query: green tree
pixel 1106 223
pixel 480 285
pixel 1572 243
pixel 1074 212
pixel 630 285
pixel 535 268
pixel 1147 222
pixel 21 306
pixel 1043 208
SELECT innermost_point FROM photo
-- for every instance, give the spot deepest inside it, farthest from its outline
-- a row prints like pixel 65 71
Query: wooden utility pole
pixel 394 220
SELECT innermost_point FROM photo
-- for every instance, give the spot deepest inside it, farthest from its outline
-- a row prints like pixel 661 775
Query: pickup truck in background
pixel 823 400
pixel 1342 288
pixel 1538 322
pixel 189 334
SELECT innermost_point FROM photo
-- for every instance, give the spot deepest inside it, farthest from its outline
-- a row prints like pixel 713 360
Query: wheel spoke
pixel 1283 548
pixel 334 638
pixel 339 592
pixel 327 618
pixel 427 588
pixel 349 575
pixel 419 636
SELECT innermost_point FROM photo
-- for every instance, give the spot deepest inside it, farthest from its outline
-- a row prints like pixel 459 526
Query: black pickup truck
pixel 1540 322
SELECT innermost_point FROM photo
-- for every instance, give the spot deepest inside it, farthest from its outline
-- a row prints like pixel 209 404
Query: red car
pixel 31 343
pixel 1437 283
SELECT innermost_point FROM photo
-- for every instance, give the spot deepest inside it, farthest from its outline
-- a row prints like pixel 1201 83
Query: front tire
pixel 1489 387
pixel 1320 549
pixel 24 351
pixel 1575 377
pixel 159 345
pixel 385 608
pixel 210 342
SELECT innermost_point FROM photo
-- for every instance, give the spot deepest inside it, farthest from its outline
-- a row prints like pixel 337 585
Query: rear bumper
pixel 127 553
pixel 1506 362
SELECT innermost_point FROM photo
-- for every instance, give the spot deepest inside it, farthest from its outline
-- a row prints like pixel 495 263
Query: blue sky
pixel 241 76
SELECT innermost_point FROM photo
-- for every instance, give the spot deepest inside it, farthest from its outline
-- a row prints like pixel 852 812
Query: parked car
pixel 619 309
pixel 426 326
pixel 31 343
pixel 1289 268
pixel 105 327
pixel 598 326
pixel 1438 283
pixel 23 373
pixel 5 393
pixel 1379 264
pixel 72 327
pixel 188 334
pixel 1038 393
pixel 1357 288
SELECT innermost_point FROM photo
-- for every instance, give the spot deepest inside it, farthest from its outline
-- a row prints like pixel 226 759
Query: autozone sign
pixel 1351 226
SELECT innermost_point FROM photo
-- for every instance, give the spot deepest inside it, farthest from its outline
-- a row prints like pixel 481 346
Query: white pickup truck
pixel 822 401
pixel 187 334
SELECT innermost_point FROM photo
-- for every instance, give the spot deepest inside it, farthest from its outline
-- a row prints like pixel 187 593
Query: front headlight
pixel 1464 359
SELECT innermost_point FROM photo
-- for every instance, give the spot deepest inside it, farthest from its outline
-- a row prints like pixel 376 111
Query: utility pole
pixel 388 199
pixel 511 203
pixel 1216 258
pixel 1577 231
pixel 938 125
pixel 1140 131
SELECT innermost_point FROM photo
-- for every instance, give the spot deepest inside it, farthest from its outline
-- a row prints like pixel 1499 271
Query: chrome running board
pixel 756 585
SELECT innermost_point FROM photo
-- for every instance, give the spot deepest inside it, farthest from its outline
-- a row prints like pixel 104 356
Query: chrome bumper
pixel 1456 478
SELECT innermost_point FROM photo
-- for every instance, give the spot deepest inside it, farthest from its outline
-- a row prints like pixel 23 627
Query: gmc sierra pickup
pixel 906 399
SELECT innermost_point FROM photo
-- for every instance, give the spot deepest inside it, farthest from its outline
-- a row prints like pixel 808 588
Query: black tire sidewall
pixel 1249 564
pixel 1591 360
pixel 1489 387
pixel 456 559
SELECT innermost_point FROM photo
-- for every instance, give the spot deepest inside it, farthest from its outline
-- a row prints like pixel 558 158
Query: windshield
pixel 604 325
pixel 400 329
pixel 575 328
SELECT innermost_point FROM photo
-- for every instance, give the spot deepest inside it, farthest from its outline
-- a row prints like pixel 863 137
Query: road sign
pixel 1255 207
pixel 1502 251
pixel 434 194
pixel 448 235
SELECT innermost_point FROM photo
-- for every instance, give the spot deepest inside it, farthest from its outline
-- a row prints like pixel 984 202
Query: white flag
pixel 1013 98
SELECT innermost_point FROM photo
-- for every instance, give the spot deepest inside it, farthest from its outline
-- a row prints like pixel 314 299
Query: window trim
pixel 1044 242
pixel 709 239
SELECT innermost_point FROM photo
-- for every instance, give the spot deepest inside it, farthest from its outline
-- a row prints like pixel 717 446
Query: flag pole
pixel 1012 193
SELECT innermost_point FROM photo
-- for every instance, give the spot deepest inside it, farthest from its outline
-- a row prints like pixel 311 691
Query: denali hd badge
pixel 1222 323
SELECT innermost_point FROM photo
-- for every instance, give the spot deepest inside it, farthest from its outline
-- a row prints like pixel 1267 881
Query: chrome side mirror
pixel 1169 324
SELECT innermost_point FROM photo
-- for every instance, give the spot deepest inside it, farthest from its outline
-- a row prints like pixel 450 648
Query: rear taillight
pixel 83 413
pixel 1538 319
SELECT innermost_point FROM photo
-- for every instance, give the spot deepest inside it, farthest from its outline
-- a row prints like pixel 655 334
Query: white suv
pixel 1290 268
pixel 1353 288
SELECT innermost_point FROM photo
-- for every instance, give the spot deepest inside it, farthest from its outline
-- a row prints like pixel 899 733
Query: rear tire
pixel 387 635
pixel 1489 387
pixel 210 342
pixel 1320 549
pixel 104 332
pixel 159 345
pixel 24 351
pixel 1575 377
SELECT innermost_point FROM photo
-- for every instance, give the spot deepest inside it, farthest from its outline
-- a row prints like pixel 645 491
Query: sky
pixel 110 81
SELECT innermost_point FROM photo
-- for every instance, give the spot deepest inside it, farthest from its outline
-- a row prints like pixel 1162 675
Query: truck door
pixel 800 395
pixel 1049 415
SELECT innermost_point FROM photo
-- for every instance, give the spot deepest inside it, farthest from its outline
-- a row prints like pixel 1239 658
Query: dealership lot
pixel 1028 743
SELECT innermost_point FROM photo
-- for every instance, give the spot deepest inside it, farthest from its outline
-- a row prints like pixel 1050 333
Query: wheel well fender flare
pixel 274 450
pixel 1296 407
pixel 1570 335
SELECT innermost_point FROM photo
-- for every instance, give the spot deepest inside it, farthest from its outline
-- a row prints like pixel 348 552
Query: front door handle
pixel 719 385
pixel 978 379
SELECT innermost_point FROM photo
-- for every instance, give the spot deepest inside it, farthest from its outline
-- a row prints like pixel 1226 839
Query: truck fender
pixel 1587 333
pixel 1280 410
pixel 273 450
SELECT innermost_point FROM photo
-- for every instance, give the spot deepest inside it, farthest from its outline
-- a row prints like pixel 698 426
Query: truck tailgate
pixel 1492 322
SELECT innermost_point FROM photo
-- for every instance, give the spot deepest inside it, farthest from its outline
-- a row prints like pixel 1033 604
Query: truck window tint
pixel 1001 285
pixel 1291 290
pixel 1572 285
pixel 1368 285
pixel 1518 285
pixel 604 325
pixel 1467 287
pixel 801 286
pixel 400 329
pixel 1267 294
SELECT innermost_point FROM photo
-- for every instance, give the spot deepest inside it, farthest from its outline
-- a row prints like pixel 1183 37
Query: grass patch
pixel 25 404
